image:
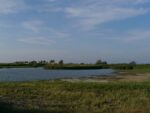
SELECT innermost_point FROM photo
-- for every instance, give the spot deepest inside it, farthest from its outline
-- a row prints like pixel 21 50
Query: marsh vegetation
pixel 78 97
pixel 52 64
pixel 129 93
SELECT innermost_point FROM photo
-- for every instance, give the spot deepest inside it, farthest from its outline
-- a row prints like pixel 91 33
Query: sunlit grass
pixel 66 97
pixel 140 69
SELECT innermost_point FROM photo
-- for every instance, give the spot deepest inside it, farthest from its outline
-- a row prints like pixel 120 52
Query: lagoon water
pixel 31 74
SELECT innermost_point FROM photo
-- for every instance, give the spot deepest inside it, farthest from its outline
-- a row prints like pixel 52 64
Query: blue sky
pixel 75 30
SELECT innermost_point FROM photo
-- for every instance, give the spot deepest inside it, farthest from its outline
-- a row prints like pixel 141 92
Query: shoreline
pixel 116 76
pixel 121 76
pixel 115 94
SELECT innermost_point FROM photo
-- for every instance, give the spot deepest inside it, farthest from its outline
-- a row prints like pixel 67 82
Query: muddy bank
pixel 120 77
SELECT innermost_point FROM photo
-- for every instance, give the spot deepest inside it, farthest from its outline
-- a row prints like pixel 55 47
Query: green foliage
pixel 52 64
pixel 141 68
pixel 75 66
pixel 99 62
pixel 132 63
pixel 23 64
pixel 61 62
pixel 66 97
pixel 122 66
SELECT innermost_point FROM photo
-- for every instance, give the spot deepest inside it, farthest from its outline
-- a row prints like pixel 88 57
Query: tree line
pixel 53 64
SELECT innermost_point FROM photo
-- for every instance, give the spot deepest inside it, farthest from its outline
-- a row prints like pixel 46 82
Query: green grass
pixel 140 69
pixel 66 97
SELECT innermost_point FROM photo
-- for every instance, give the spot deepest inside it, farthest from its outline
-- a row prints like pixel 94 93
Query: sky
pixel 117 31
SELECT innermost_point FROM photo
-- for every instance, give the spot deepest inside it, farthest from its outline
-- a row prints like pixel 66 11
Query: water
pixel 30 74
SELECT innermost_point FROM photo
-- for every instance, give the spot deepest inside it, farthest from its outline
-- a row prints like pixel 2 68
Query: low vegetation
pixel 78 97
pixel 76 66
pixel 120 94
pixel 141 68
pixel 22 64
pixel 52 64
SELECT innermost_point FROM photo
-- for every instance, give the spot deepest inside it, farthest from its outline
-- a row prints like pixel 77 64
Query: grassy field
pixel 128 92
pixel 78 97
pixel 140 69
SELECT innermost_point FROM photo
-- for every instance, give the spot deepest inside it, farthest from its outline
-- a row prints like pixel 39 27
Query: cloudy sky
pixel 75 30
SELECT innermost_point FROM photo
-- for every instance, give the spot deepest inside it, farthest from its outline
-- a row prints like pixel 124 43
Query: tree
pixel 99 62
pixel 33 63
pixel 61 62
pixel 82 63
pixel 104 62
pixel 132 63
pixel 52 61
pixel 42 62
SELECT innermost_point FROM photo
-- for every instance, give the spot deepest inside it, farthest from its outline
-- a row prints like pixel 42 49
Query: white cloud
pixel 41 28
pixel 90 18
pixel 131 36
pixel 51 0
pixel 137 35
pixel 42 34
pixel 33 25
pixel 37 40
pixel 90 13
pixel 11 6
pixel 56 34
